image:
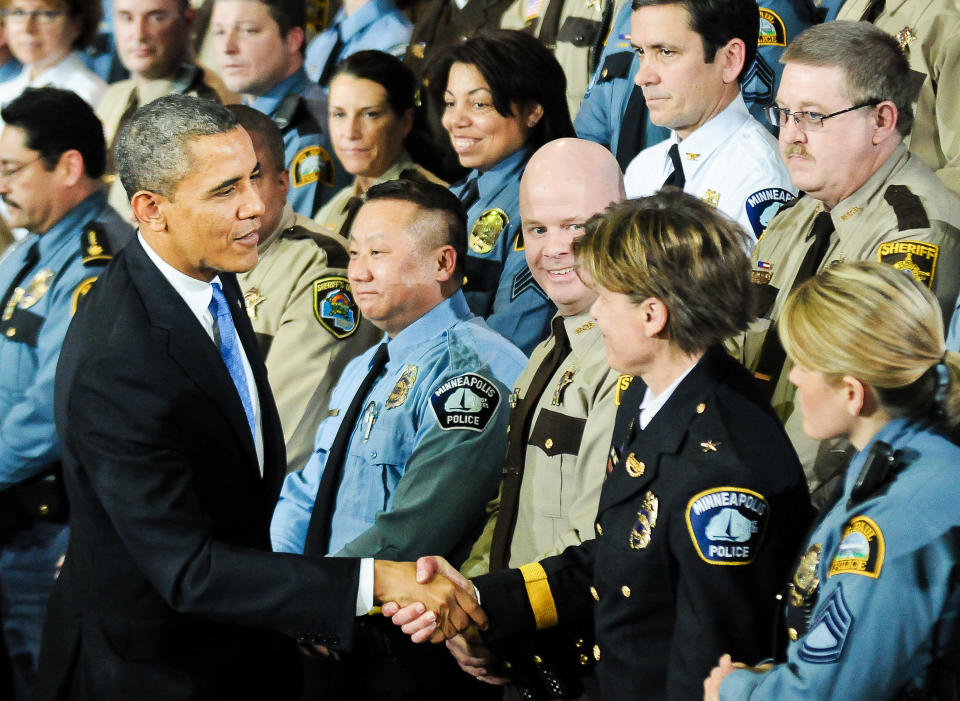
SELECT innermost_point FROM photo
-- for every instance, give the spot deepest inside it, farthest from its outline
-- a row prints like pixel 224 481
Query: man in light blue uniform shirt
pixel 57 198
pixel 259 46
pixel 359 25
pixel 500 286
pixel 601 116
pixel 404 466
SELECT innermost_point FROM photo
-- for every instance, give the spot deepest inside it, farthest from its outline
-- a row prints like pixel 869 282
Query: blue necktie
pixel 231 352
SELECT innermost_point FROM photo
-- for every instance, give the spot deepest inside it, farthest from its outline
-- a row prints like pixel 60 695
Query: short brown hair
pixel 676 248
pixel 873 65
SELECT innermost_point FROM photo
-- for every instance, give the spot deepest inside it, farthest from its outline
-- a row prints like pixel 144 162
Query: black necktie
pixel 317 541
pixel 470 194
pixel 873 10
pixel 632 127
pixel 350 209
pixel 676 178
pixel 332 59
pixel 517 447
pixel 29 262
pixel 772 355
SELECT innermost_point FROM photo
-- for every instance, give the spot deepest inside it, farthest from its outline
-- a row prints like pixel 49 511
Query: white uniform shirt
pixel 732 162
pixel 70 74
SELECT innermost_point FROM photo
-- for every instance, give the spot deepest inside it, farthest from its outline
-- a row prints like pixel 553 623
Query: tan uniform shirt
pixel 578 31
pixel 332 215
pixel 930 32
pixel 306 344
pixel 119 97
pixel 920 234
pixel 566 455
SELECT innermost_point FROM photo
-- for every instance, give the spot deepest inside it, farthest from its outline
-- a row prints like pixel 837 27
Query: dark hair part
pixel 682 251
pixel 256 122
pixel 154 150
pixel 717 22
pixel 88 14
pixel 520 71
pixel 873 65
pixel 447 228
pixel 40 113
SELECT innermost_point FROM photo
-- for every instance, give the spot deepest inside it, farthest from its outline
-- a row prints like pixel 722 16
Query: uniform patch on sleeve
pixel 861 549
pixel 310 165
pixel 334 307
pixel 763 205
pixel 466 401
pixel 828 631
pixel 622 383
pixel 81 291
pixel 918 258
pixel 773 32
pixel 726 524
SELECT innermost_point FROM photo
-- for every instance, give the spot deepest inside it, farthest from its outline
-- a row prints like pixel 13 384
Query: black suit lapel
pixel 189 345
pixel 665 435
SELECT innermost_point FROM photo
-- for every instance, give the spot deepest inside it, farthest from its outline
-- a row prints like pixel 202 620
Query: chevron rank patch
pixel 827 634
pixel 861 549
pixel 466 401
pixel 334 307
pixel 726 524
pixel 918 258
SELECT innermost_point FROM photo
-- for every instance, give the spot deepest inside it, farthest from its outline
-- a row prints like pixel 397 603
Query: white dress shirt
pixel 70 74
pixel 732 162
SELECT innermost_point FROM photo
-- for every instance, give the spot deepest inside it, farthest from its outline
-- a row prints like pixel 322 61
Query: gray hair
pixel 873 64
pixel 153 148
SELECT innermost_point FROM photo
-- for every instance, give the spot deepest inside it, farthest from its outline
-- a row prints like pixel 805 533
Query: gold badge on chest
pixel 642 530
pixel 487 230
pixel 401 390
pixel 806 579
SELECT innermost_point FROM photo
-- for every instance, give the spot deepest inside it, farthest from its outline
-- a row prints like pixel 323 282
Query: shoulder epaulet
pixel 908 207
pixel 336 255
pixel 94 244
pixel 185 79
pixel 615 65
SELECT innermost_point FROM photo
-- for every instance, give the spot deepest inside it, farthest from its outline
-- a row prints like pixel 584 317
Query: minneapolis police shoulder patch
pixel 763 205
pixel 726 524
pixel 465 401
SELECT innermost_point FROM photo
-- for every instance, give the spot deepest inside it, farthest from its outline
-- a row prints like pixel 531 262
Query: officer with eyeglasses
pixel 844 110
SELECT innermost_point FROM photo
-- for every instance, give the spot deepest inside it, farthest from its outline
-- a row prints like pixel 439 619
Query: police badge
pixel 487 230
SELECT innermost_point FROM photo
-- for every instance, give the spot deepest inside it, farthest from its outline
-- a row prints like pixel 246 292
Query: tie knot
pixel 561 340
pixel 822 227
pixel 381 357
pixel 218 302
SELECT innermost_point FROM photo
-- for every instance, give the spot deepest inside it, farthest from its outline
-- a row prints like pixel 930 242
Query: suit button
pixel 537 660
pixel 300 638
pixel 373 454
pixel 596 652
pixel 584 660
pixel 11 332
pixel 548 444
pixel 701 408
pixel 594 594
pixel 334 640
pixel 507 665
pixel 625 590
pixel 44 509
pixel 599 528
pixel 792 632
pixel 604 72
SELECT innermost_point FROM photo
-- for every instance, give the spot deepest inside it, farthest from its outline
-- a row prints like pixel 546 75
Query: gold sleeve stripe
pixel 538 591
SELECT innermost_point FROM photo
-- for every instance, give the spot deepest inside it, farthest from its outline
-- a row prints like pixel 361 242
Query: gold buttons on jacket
pixel 792 632
pixel 596 652
pixel 625 590
pixel 548 444
pixel 599 528
pixel 594 594
pixel 701 408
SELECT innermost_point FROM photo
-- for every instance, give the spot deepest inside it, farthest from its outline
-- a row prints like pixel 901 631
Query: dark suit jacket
pixel 664 613
pixel 169 590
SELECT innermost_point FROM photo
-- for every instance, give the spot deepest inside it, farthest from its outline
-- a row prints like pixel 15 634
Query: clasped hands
pixel 442 606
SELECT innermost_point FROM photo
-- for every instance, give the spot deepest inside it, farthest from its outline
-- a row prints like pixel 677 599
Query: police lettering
pixel 729 551
pixel 720 499
pixel 474 382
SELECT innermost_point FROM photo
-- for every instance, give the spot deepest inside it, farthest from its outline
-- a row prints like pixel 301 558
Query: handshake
pixel 431 600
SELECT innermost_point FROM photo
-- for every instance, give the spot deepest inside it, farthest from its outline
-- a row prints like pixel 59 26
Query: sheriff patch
pixel 828 631
pixel 772 30
pixel 763 205
pixel 861 549
pixel 466 401
pixel 726 524
pixel 312 164
pixel 916 257
pixel 334 307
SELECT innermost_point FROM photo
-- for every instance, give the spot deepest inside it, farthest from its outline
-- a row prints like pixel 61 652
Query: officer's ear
pixel 70 167
pixel 884 121
pixel 146 208
pixel 446 257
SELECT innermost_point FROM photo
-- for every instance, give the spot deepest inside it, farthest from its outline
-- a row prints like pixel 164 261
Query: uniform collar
pixel 403 162
pixel 863 196
pixel 582 331
pixel 896 432
pixel 66 230
pixel 428 327
pixel 269 102
pixel 492 180
pixel 58 73
pixel 366 15
pixel 697 147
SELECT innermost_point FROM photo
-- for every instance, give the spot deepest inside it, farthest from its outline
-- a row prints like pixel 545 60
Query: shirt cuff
pixel 365 587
